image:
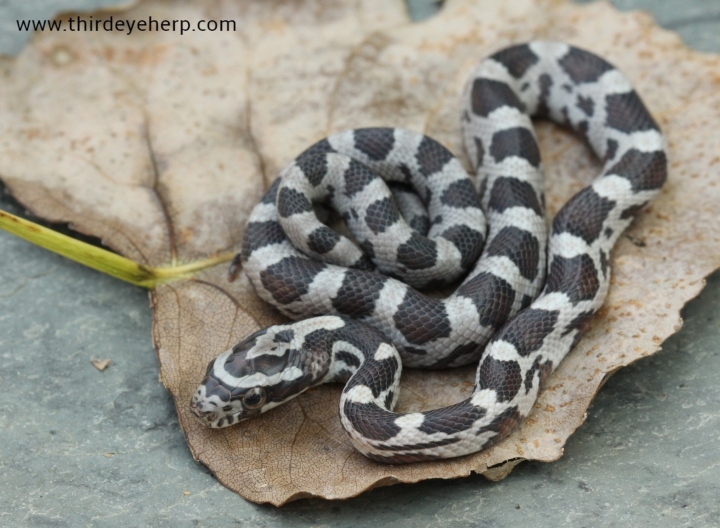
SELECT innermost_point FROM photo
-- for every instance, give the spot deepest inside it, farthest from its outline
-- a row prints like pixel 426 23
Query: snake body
pixel 364 326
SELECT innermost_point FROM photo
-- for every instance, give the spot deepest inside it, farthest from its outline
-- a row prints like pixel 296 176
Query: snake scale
pixel 418 222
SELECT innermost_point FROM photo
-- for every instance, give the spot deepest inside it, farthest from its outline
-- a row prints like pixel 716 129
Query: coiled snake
pixel 372 324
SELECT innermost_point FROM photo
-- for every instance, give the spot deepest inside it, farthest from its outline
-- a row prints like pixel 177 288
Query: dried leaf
pixel 160 144
pixel 100 364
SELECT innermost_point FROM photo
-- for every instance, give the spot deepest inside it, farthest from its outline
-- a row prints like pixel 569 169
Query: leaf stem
pixel 101 259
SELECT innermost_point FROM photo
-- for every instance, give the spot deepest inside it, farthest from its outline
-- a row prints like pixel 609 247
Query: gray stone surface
pixel 79 447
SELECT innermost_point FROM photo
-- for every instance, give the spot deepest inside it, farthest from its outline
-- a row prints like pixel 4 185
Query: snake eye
pixel 254 398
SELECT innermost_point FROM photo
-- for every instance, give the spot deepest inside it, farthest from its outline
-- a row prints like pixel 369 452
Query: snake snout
pixel 198 408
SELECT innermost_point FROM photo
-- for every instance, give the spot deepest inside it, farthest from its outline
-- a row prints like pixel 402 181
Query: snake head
pixel 261 372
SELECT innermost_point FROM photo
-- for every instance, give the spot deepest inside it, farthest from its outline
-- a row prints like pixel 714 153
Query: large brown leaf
pixel 160 143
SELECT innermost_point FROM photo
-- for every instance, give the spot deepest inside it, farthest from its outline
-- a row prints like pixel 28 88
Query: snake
pixel 362 307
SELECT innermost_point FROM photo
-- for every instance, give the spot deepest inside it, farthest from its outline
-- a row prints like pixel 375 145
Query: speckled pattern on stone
pixel 648 454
